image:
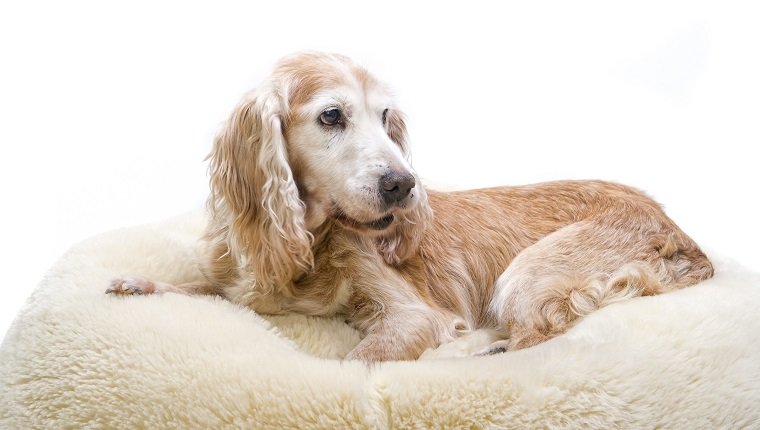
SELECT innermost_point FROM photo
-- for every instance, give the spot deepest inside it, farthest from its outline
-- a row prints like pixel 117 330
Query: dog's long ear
pixel 395 126
pixel 252 187
pixel 404 241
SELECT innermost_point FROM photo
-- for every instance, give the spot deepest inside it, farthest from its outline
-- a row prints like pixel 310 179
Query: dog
pixel 315 209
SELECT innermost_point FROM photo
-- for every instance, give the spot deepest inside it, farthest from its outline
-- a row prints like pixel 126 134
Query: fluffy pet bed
pixel 77 358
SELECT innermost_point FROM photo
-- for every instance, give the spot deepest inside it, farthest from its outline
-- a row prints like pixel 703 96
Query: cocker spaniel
pixel 315 209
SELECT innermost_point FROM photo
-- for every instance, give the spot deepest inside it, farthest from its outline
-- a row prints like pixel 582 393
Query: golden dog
pixel 316 209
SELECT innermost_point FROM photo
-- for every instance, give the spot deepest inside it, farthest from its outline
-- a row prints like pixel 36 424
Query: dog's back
pixel 499 255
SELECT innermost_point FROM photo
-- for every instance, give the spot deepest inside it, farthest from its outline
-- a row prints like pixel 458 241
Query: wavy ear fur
pixel 405 239
pixel 254 193
pixel 395 126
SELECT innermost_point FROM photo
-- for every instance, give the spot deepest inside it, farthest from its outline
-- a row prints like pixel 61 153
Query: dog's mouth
pixel 376 225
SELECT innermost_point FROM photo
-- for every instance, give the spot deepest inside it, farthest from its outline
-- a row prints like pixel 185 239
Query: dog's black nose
pixel 394 187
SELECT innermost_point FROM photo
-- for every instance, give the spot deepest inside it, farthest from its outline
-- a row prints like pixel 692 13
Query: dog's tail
pixel 632 280
pixel 677 268
pixel 555 303
pixel 566 300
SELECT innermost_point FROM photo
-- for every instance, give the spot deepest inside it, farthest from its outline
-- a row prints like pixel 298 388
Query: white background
pixel 107 110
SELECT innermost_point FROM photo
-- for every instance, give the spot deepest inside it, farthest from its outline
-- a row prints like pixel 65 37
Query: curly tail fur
pixel 564 300
pixel 632 280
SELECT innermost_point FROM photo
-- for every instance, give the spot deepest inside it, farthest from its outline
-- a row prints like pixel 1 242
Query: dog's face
pixel 319 140
pixel 346 144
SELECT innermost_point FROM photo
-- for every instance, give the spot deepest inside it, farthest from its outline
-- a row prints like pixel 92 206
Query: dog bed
pixel 78 358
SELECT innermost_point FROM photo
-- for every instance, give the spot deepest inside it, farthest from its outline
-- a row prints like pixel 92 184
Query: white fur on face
pixel 340 166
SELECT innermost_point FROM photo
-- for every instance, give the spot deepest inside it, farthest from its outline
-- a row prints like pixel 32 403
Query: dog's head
pixel 320 141
pixel 346 143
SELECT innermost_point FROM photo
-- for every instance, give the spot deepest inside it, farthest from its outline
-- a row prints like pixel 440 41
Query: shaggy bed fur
pixel 76 358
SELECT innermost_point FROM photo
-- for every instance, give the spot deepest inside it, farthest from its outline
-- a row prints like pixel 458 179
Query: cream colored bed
pixel 77 358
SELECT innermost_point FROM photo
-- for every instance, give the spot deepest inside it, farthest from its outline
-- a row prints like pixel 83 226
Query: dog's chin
pixel 375 226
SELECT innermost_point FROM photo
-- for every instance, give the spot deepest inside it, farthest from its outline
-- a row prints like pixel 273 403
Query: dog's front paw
pixel 363 354
pixel 372 352
pixel 131 286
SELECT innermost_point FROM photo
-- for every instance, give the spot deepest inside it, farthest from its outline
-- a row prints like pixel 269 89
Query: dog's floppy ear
pixel 395 126
pixel 253 189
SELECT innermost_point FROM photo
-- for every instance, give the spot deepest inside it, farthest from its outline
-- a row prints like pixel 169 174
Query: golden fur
pixel 319 218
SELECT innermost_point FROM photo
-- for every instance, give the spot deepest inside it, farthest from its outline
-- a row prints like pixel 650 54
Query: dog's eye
pixel 385 116
pixel 331 117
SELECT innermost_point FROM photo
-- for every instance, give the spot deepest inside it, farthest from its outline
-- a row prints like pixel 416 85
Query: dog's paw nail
pixel 498 347
pixel 134 290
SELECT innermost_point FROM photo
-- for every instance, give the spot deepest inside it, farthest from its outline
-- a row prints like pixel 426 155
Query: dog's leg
pixel 135 285
pixel 585 266
pixel 404 333
pixel 400 331
pixel 215 264
pixel 394 339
